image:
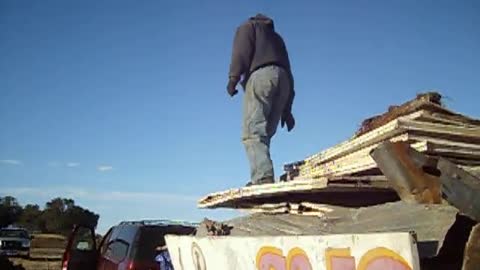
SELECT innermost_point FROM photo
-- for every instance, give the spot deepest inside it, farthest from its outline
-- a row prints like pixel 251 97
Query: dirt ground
pixel 37 264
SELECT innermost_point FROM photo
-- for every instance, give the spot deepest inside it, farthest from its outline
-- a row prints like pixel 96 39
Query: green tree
pixel 58 216
pixel 10 210
pixel 30 217
pixel 61 214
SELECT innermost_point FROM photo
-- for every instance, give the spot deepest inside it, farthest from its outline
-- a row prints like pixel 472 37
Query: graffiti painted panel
pixel 395 251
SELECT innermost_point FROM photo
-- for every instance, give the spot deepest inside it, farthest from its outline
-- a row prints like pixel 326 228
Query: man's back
pixel 257 45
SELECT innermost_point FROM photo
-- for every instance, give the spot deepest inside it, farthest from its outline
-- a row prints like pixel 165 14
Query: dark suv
pixel 130 245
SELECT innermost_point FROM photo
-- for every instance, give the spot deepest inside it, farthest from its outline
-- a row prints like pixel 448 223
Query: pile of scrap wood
pixel 347 175
pixel 423 122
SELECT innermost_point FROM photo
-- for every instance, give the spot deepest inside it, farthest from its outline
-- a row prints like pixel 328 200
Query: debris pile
pixel 423 122
pixel 419 162
pixel 347 175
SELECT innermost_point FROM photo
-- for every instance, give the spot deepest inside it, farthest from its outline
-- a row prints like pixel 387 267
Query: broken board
pixel 353 192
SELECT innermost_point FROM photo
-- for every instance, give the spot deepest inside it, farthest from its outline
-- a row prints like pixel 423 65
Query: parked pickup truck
pixel 15 242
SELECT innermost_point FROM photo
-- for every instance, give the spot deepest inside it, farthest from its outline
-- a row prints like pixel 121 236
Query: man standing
pixel 259 56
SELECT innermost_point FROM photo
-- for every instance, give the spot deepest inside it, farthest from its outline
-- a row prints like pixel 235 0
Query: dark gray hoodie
pixel 256 44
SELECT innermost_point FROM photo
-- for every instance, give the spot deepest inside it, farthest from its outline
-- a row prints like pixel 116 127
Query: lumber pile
pixel 346 174
pixel 423 122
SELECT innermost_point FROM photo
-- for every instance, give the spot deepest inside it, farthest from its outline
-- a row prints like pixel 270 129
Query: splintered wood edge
pixel 260 190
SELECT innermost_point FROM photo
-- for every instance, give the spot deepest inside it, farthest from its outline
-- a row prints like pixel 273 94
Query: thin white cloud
pixel 73 164
pixel 53 164
pixel 95 195
pixel 11 162
pixel 104 168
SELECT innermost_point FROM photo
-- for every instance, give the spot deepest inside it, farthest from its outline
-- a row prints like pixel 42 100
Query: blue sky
pixel 121 105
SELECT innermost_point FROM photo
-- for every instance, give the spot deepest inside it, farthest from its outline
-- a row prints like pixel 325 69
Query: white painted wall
pixel 382 251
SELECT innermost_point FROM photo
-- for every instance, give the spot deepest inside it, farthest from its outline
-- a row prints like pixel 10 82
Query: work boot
pixel 265 180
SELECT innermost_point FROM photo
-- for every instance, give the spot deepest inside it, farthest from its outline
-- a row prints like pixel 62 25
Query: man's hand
pixel 289 120
pixel 232 83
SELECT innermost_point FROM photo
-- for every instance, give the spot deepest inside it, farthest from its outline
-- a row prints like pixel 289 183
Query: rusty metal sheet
pixel 407 171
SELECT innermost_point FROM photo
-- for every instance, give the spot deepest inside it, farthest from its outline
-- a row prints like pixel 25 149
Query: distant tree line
pixel 58 216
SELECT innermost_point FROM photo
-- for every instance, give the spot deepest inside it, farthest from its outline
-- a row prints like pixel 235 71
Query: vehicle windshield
pixel 13 233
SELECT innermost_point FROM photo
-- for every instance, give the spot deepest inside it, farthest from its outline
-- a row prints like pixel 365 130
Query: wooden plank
pixel 368 178
pixel 475 170
pixel 317 206
pixel 377 135
pixel 433 128
pixel 355 162
pixel 412 136
pixel 303 208
pixel 316 191
pixel 428 101
pixel 407 123
pixel 458 152
pixel 462 162
pixel 271 208
pixel 392 129
pixel 441 118
pixel 261 190
pixel 465 120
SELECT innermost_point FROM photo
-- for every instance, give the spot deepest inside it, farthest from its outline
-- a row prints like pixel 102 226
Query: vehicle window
pixel 83 240
pixel 105 241
pixel 115 233
pixel 127 233
pixel 117 250
pixel 14 233
pixel 152 237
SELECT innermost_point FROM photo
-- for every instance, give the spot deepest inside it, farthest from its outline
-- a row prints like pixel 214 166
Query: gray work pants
pixel 266 95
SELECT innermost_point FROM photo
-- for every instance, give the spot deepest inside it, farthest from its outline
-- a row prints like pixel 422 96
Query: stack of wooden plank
pixel 422 122
pixel 347 175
